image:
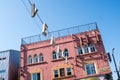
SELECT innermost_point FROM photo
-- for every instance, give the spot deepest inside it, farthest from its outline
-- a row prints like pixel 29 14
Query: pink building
pixel 78 54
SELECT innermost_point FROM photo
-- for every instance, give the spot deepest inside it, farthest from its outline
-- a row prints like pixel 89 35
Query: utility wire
pixel 39 18
pixel 25 6
pixel 30 13
pixel 30 2
pixel 37 14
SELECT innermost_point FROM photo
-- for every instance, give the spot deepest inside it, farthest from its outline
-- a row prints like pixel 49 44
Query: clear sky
pixel 16 22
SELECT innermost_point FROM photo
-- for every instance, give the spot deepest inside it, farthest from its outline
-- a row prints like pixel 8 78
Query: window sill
pixel 59 78
pixel 86 54
pixel 60 59
pixel 44 62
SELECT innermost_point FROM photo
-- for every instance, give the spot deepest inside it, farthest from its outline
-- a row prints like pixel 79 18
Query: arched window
pixel 41 58
pixel 80 50
pixel 66 54
pixel 30 59
pixel 60 54
pixel 86 49
pixel 35 58
pixel 92 48
pixel 54 55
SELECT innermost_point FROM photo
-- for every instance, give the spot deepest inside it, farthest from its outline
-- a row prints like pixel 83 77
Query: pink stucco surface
pixel 77 62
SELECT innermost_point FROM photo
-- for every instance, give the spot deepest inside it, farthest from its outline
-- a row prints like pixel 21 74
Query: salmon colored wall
pixel 75 61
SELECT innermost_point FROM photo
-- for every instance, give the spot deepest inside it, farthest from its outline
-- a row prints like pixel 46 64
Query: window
pixel 36 76
pixel 60 54
pixel 54 56
pixel 92 48
pixel 80 50
pixel 86 49
pixel 55 73
pixel 3 58
pixel 1 78
pixel 90 69
pixel 68 71
pixel 66 54
pixel 62 72
pixel 2 71
pixel 35 58
pixel 41 58
pixel 30 59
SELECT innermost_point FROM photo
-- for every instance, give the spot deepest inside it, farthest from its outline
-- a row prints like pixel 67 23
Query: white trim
pixel 94 66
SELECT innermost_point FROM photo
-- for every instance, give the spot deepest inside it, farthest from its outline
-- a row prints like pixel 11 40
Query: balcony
pixel 59 33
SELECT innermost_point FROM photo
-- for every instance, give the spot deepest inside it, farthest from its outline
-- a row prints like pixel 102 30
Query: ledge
pixel 64 77
pixel 96 75
pixel 61 59
pixel 44 62
pixel 87 54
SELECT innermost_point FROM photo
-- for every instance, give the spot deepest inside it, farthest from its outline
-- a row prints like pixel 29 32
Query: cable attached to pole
pixel 30 13
pixel 33 13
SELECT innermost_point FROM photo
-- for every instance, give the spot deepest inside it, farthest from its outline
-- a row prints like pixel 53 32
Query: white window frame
pixel 90 69
pixel 54 55
pixel 91 47
pixel 35 59
pixel 86 47
pixel 66 53
pixel 55 73
pixel 29 59
pixel 41 58
pixel 60 54
pixel 78 50
pixel 36 75
pixel 68 71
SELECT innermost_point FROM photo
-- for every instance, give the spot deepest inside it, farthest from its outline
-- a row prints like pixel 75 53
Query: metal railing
pixel 59 33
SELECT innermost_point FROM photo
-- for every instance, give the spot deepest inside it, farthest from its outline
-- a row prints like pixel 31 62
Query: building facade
pixel 77 54
pixel 9 64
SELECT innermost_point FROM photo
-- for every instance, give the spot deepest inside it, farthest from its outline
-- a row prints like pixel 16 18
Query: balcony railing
pixel 59 33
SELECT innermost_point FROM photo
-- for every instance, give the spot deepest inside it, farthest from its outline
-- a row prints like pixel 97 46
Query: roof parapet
pixel 60 33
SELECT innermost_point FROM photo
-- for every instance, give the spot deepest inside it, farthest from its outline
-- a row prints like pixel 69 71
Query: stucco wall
pixel 75 61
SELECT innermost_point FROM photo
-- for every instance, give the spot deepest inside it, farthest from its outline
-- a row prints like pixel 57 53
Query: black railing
pixel 60 33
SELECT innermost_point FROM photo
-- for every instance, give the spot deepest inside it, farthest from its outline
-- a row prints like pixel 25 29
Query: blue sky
pixel 16 22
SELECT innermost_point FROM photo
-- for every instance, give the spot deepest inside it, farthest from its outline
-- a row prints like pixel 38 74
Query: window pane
pixel 86 49
pixel 55 73
pixel 80 50
pixel 41 58
pixel 66 54
pixel 60 54
pixel 54 56
pixel 29 60
pixel 35 58
pixel 90 68
pixel 93 69
pixel 92 48
pixel 62 72
pixel 69 71
pixel 36 76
